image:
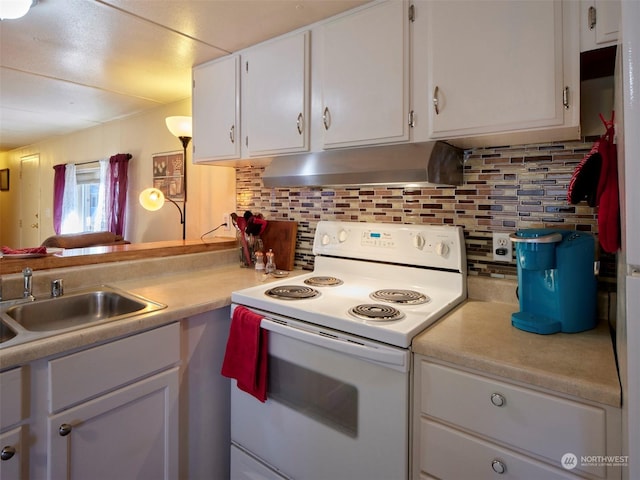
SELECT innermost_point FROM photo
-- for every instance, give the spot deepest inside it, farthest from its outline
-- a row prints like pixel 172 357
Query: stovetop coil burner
pixel 404 297
pixel 376 312
pixel 292 292
pixel 323 281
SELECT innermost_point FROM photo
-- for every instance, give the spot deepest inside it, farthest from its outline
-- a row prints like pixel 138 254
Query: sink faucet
pixel 27 275
pixel 27 291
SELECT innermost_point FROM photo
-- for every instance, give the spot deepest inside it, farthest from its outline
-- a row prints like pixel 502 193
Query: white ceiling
pixel 73 64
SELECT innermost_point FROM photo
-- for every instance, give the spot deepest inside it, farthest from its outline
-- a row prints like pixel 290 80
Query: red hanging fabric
pixel 117 192
pixel 595 180
pixel 608 199
pixel 58 195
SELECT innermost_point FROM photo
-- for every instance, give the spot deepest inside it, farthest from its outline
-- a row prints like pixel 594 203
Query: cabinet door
pixel 11 446
pixel 495 66
pixel 129 433
pixel 365 76
pixel 216 110
pixel 276 101
pixel 599 23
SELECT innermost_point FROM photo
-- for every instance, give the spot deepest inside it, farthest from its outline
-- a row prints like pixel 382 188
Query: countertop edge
pixel 450 340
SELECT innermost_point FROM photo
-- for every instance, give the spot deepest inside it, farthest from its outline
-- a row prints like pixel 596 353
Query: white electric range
pixel 339 352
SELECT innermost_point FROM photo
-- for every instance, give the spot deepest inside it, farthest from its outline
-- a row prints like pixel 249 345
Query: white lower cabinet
pixel 11 454
pixel 108 411
pixel 13 409
pixel 150 406
pixel 470 425
pixel 129 433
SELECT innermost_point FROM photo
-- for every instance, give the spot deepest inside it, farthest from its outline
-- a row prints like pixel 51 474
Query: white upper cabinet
pixel 599 23
pixel 276 96
pixel 499 67
pixel 364 74
pixel 216 110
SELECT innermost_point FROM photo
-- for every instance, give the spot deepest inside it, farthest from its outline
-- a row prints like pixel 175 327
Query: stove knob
pixel 418 242
pixel 325 240
pixel 442 249
pixel 342 236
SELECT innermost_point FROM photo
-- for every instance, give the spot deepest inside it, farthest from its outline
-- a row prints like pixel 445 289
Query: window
pixel 83 206
pixel 91 198
pixel 88 189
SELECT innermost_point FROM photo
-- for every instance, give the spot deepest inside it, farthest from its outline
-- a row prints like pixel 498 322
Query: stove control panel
pixel 435 246
pixel 371 238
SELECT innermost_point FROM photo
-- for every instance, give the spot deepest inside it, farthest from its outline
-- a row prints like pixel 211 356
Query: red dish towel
pixel 245 358
pixel 18 251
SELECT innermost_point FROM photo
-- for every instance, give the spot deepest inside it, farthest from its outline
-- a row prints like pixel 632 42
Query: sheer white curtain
pixel 101 222
pixel 71 222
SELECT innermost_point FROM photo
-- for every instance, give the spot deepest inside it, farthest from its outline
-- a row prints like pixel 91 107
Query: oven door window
pixel 318 396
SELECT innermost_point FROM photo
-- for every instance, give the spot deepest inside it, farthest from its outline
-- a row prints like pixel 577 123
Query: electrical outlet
pixel 502 247
pixel 227 221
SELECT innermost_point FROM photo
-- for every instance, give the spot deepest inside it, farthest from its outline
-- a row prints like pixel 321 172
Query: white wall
pixel 211 190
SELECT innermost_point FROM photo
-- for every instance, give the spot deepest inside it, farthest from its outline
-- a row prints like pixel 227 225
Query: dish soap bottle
pixel 271 264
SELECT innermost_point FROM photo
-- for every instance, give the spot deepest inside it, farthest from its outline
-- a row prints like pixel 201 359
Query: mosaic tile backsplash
pixel 505 188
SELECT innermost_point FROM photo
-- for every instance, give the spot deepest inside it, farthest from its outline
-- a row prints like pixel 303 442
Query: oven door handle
pixel 389 357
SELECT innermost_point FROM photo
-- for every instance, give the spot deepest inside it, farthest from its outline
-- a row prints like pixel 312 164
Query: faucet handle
pixel 57 288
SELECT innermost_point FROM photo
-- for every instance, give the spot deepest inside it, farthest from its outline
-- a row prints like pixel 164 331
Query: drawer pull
pixel 498 467
pixel 326 118
pixel 7 453
pixel 65 429
pixel 498 400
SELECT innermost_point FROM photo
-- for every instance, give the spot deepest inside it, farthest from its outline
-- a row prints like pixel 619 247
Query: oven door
pixel 337 407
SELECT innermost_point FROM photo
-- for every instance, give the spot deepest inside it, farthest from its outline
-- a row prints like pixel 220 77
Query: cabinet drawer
pixel 12 467
pixel 449 454
pixel 88 373
pixel 10 397
pixel 539 423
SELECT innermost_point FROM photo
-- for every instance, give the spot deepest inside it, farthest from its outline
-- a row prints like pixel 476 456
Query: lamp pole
pixel 185 141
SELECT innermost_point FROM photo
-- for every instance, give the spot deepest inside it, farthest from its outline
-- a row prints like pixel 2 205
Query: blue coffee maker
pixel 556 281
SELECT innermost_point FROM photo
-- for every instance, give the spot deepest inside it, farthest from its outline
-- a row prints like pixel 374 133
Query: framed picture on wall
pixel 4 179
pixel 168 174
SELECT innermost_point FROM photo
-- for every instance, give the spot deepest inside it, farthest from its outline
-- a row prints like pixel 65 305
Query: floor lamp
pixel 153 199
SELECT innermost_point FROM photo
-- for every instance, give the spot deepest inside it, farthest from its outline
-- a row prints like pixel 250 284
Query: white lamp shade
pixel 151 199
pixel 179 126
pixel 10 9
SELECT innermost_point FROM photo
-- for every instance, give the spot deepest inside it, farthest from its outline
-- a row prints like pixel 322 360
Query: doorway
pixel 30 201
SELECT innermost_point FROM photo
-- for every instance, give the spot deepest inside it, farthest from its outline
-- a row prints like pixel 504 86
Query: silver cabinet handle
pixel 7 453
pixel 565 97
pixel 435 100
pixel 326 118
pixel 498 466
pixel 65 429
pixel 592 17
pixel 232 134
pixel 498 400
pixel 300 123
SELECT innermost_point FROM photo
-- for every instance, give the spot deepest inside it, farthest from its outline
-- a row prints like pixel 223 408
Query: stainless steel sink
pixel 6 333
pixel 40 318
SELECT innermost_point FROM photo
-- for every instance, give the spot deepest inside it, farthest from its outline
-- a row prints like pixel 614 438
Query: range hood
pixel 435 163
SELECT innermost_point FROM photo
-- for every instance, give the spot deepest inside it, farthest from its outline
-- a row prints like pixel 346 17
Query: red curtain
pixel 58 194
pixel 117 191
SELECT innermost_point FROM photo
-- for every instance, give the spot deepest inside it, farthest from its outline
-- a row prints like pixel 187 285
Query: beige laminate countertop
pixel 479 335
pixel 186 294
